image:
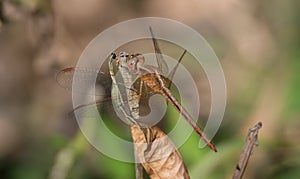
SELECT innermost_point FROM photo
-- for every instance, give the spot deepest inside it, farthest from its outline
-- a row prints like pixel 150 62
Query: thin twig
pixel 251 143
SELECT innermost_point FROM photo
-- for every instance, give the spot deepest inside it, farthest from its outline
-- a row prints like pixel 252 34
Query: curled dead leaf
pixel 160 158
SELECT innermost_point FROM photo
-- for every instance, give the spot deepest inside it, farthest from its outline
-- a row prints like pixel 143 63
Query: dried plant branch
pixel 138 170
pixel 251 143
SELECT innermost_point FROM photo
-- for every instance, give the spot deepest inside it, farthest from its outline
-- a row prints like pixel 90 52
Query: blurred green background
pixel 257 42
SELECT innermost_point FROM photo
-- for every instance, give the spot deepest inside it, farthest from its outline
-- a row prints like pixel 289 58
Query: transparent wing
pixel 84 81
pixel 162 65
pixel 84 84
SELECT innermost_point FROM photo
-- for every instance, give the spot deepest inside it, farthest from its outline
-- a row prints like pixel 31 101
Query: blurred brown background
pixel 257 43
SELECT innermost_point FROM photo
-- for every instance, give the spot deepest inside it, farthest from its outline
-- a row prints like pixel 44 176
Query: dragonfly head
pixel 123 59
pixel 135 62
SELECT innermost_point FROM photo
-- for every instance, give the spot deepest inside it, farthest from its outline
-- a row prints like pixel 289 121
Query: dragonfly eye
pixel 113 55
pixel 141 59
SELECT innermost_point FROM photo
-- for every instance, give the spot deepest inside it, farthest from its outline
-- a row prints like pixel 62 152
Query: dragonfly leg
pixel 141 88
pixel 141 85
pixel 130 118
pixel 134 81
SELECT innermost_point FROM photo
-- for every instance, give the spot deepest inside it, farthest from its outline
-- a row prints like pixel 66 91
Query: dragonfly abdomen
pixel 167 94
pixel 158 84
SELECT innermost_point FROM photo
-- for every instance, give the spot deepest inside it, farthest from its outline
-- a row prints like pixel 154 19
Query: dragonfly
pixel 151 134
pixel 151 144
pixel 148 77
pixel 129 66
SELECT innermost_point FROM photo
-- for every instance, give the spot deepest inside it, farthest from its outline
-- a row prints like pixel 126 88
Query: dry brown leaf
pixel 160 158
